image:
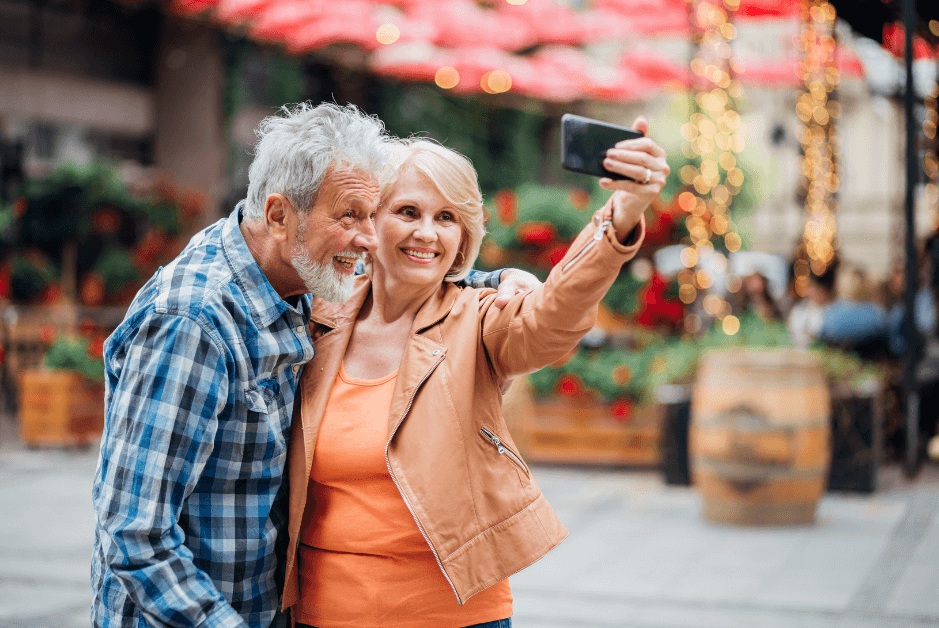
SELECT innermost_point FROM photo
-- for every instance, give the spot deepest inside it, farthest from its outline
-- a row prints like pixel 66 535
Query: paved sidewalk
pixel 639 555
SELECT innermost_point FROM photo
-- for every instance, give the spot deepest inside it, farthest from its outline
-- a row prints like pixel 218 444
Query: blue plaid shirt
pixel 188 494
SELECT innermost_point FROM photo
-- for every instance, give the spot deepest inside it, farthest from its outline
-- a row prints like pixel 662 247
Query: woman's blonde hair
pixel 455 178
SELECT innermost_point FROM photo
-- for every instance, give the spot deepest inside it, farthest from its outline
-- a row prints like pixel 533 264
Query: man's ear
pixel 278 212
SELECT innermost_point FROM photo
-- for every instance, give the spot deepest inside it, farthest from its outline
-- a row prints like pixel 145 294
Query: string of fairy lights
pixel 931 158
pixel 818 110
pixel 713 177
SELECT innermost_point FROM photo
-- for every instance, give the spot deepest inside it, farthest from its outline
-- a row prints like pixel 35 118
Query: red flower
pixel 19 207
pixel 92 289
pixel 506 203
pixel 96 348
pixel 105 221
pixel 47 333
pixel 557 254
pixel 86 327
pixel 655 308
pixel 536 233
pixel 5 282
pixel 622 410
pixel 51 294
pixel 569 385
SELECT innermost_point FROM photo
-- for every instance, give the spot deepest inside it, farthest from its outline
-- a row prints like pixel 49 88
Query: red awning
pixel 423 36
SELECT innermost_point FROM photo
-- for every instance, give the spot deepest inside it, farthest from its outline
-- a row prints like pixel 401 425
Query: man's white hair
pixel 296 149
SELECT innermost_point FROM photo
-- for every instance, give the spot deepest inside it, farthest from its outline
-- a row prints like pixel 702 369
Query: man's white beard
pixel 322 280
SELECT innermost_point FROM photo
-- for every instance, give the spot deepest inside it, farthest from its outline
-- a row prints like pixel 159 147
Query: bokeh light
pixel 447 77
pixel 730 325
pixel 496 82
pixel 388 34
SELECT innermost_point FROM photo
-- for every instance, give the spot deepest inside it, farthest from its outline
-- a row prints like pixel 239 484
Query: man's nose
pixel 366 237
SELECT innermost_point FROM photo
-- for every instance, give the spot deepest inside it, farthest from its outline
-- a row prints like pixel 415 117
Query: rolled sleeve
pixel 480 279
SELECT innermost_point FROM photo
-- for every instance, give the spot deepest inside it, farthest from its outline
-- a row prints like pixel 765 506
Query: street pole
pixel 910 332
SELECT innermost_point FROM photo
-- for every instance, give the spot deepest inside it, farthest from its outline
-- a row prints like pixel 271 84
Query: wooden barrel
pixel 759 436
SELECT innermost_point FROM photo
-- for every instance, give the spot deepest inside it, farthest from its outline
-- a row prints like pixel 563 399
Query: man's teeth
pixel 420 254
pixel 348 261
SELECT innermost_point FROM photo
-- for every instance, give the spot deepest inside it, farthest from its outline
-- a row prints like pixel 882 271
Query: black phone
pixel 584 143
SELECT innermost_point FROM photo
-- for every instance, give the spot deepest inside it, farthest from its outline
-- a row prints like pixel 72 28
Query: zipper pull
pixel 492 438
pixel 603 225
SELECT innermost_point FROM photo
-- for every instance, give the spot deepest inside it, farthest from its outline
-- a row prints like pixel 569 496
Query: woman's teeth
pixel 420 254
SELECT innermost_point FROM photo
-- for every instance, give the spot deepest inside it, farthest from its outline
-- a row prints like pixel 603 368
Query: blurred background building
pixel 162 98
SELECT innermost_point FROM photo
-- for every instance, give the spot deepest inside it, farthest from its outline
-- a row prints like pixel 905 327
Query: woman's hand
pixel 643 161
pixel 513 281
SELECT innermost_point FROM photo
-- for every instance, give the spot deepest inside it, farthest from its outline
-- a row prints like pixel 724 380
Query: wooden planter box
pixel 59 408
pixel 581 430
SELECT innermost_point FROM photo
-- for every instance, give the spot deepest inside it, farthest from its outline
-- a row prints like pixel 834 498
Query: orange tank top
pixel 363 560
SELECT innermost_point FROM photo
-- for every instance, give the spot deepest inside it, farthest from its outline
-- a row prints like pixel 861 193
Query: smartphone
pixel 584 143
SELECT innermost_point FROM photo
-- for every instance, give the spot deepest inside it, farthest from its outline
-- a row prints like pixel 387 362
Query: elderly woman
pixel 409 503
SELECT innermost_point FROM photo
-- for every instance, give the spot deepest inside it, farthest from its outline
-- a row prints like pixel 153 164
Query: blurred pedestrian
pixel 201 377
pixel 410 505
pixel 844 320
pixel 756 297
pixel 807 315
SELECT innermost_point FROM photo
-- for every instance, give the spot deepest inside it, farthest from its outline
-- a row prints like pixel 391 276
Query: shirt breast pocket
pixel 260 397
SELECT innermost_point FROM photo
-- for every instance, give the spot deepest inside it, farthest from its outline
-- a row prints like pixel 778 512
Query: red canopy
pixel 430 34
pixel 787 72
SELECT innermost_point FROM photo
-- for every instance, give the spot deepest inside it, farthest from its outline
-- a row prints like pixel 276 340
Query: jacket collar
pixel 335 315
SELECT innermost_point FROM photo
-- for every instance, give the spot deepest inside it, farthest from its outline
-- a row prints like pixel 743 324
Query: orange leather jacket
pixel 449 451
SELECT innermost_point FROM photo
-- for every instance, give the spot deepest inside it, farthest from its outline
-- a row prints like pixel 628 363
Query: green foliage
pixel 116 268
pixel 89 212
pixel 505 145
pixel 29 275
pixel 621 296
pixel 58 205
pixel 538 203
pixel 845 367
pixel 636 373
pixel 72 354
pixel 754 332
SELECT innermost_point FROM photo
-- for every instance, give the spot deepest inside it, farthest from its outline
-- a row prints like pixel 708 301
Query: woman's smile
pixel 420 255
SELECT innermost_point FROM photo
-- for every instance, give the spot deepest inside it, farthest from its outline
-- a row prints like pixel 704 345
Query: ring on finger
pixel 648 176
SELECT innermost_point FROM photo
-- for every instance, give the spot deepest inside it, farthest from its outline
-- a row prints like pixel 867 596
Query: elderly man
pixel 202 376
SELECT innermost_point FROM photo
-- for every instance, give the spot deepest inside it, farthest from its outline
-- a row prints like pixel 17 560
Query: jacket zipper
pixel 398 486
pixel 502 449
pixel 596 238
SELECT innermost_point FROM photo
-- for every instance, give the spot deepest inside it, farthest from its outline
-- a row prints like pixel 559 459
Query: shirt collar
pixel 265 304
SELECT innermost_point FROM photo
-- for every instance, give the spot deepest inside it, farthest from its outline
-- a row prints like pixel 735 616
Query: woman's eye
pixel 446 216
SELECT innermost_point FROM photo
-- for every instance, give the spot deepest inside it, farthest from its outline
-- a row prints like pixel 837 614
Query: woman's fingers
pixel 642 144
pixel 635 172
pixel 636 157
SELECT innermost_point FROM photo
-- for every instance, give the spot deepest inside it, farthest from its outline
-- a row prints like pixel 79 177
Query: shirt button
pixel 296 367
pixel 300 329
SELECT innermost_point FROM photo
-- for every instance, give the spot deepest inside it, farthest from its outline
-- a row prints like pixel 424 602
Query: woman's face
pixel 419 233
